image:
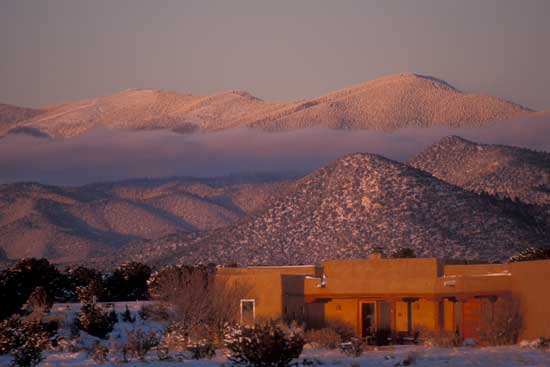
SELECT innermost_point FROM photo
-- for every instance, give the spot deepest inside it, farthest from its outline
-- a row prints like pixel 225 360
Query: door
pixel 472 316
pixel 367 318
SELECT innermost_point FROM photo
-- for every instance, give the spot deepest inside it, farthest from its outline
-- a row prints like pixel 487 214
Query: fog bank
pixel 104 155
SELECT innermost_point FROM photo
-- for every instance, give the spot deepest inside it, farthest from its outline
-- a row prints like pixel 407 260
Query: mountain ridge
pixel 513 172
pixel 357 203
pixel 386 103
pixel 71 224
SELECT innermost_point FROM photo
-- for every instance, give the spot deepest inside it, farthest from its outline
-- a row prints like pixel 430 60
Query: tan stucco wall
pixel 384 276
pixel 531 284
pixel 265 284
pixel 343 310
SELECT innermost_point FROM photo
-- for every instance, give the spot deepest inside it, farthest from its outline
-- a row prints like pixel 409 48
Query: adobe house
pixel 397 294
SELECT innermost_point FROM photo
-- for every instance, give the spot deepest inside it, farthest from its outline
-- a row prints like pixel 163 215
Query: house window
pixel 248 311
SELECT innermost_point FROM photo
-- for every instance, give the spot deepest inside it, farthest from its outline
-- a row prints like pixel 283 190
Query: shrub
pixel 140 342
pixel 442 339
pixel 127 315
pixel 128 282
pixel 202 350
pixel 18 282
pixel 113 316
pixel 404 253
pixel 24 339
pixel 326 338
pixel 143 313
pixel 15 334
pixel 99 352
pixel 199 298
pixel 93 319
pixel 503 325
pixel 353 347
pixel 345 330
pixel 532 253
pixel 264 345
pixel 27 355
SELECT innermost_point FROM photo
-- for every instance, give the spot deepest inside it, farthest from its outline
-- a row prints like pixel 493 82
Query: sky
pixel 61 50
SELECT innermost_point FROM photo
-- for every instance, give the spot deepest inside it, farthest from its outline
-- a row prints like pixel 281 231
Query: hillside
pixel 10 115
pixel 512 172
pixel 393 102
pixel 72 224
pixel 355 204
pixel 387 103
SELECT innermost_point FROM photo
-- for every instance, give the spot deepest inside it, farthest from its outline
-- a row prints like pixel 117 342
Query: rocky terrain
pixel 387 103
pixel 353 205
pixel 68 224
pixel 511 172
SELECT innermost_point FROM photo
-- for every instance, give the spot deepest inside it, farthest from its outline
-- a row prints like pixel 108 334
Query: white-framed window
pixel 248 311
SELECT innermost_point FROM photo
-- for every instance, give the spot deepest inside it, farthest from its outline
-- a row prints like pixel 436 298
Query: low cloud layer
pixel 102 154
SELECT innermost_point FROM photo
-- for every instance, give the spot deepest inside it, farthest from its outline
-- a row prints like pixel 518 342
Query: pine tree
pixel 92 318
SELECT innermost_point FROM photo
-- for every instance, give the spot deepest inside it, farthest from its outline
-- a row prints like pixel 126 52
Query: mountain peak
pixel 414 78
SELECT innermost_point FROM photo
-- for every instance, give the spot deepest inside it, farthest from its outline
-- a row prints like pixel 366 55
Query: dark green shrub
pixel 93 319
pixel 264 345
pixel 15 334
pixel 532 253
pixel 127 316
pixel 27 355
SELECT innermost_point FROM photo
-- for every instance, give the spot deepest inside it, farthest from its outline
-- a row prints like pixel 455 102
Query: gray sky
pixel 59 50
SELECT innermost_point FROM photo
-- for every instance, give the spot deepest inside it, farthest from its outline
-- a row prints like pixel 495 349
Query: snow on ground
pixel 510 356
pixel 524 354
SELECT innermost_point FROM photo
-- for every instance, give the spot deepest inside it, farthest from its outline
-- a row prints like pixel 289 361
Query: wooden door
pixel 471 318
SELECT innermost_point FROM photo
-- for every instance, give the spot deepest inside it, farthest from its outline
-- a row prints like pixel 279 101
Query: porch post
pixel 409 317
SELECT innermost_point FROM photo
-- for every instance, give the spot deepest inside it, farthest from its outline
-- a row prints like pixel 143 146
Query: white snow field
pixel 523 354
pixel 509 356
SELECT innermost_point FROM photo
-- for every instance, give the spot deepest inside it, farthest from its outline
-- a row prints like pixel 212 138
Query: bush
pixel 442 339
pixel 504 325
pixel 264 345
pixel 202 350
pixel 404 253
pixel 99 352
pixel 27 355
pixel 345 330
pixel 15 334
pixel 127 316
pixel 353 348
pixel 544 343
pixel 326 338
pixel 143 313
pixel 140 342
pixel 22 279
pixel 532 253
pixel 128 282
pixel 93 319
pixel 24 339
